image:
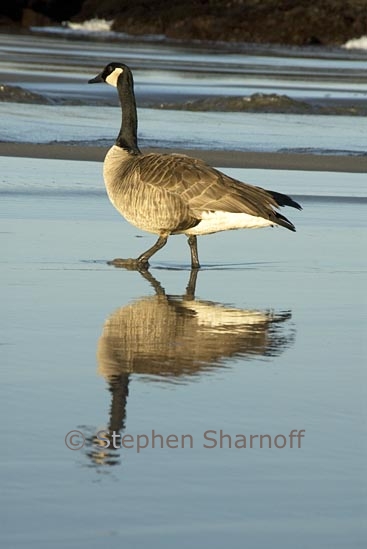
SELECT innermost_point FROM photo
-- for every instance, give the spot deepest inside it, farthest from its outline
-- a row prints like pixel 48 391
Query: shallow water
pixel 272 341
pixel 177 129
pixel 60 69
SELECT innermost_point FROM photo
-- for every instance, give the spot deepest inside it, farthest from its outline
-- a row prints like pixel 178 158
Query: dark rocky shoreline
pixel 257 102
pixel 291 22
pixel 268 103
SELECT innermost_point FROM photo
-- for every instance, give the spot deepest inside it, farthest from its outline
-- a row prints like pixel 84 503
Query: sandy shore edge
pixel 234 159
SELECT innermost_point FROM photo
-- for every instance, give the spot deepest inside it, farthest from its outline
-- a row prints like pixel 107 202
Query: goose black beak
pixel 96 80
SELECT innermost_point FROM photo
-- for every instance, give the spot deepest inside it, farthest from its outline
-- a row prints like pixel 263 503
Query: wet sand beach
pixel 257 360
pixel 235 159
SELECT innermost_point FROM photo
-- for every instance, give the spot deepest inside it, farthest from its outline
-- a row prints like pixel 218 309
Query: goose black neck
pixel 127 137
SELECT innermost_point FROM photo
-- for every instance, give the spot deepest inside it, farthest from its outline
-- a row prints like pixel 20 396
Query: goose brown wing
pixel 202 187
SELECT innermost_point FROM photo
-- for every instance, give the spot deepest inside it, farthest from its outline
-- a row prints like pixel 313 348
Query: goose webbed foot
pixel 142 262
pixel 130 264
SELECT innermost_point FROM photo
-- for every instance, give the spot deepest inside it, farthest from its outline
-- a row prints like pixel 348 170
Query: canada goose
pixel 169 194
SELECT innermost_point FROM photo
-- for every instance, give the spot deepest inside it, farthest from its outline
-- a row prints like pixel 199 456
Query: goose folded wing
pixel 204 188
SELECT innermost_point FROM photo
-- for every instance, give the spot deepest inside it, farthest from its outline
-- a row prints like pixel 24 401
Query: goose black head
pixel 110 74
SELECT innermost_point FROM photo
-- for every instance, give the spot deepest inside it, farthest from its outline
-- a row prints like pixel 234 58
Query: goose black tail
pixel 284 200
pixel 284 222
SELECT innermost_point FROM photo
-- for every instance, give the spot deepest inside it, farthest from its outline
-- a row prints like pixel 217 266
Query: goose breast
pixel 136 189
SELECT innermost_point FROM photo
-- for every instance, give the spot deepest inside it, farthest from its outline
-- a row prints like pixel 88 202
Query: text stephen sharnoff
pixel 210 439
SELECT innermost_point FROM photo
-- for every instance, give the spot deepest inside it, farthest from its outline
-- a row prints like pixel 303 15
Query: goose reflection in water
pixel 176 338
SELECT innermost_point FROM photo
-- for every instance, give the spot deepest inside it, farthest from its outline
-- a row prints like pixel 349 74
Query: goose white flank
pixel 169 194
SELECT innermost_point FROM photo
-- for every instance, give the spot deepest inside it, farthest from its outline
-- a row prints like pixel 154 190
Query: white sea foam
pixel 100 27
pixel 356 43
pixel 93 25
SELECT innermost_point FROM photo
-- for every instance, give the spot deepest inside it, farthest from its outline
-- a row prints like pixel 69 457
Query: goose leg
pixel 192 240
pixel 144 257
pixel 142 262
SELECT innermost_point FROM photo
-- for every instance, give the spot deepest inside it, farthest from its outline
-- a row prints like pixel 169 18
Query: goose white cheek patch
pixel 113 77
